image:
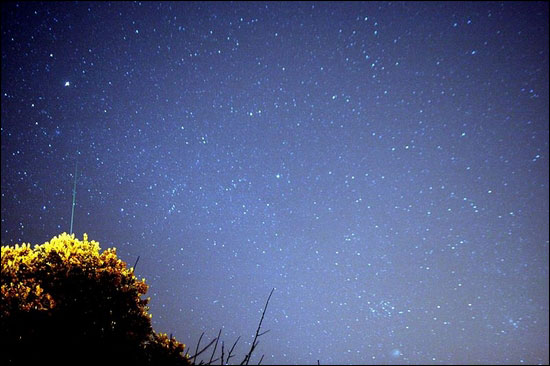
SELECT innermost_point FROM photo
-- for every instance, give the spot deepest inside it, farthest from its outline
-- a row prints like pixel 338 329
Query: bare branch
pixel 255 342
pixel 231 350
pixel 202 350
pixel 197 349
pixel 261 334
pixel 215 346
pixel 135 264
pixel 223 359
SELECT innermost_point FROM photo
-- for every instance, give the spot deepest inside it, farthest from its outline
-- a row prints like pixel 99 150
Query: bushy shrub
pixel 66 301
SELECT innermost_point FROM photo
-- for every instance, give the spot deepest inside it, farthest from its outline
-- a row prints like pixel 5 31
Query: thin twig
pixel 135 264
pixel 254 342
pixel 222 353
pixel 197 353
pixel 198 343
pixel 261 334
pixel 215 346
pixel 205 347
pixel 231 350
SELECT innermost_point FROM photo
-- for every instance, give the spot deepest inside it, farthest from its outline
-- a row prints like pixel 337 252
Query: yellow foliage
pixel 78 288
pixel 59 258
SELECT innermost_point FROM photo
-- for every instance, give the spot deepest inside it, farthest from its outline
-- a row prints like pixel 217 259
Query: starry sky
pixel 382 165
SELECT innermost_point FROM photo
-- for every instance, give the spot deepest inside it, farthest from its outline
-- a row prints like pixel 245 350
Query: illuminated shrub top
pixel 66 300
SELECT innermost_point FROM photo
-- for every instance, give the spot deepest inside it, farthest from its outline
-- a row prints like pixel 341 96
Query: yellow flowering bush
pixel 66 301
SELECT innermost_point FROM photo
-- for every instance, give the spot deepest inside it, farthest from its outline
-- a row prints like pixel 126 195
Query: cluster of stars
pixel 383 166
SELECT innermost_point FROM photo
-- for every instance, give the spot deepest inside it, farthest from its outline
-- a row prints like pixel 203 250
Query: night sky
pixel 383 166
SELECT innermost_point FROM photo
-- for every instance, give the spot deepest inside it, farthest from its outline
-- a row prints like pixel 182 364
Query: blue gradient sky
pixel 384 166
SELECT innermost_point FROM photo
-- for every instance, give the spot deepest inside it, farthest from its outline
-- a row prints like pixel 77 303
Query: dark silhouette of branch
pixel 255 341
pixel 231 350
pixel 197 349
pixel 215 346
pixel 223 359
pixel 135 264
pixel 202 350
pixel 261 334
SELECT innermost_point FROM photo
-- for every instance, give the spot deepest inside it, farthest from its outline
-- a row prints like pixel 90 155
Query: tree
pixel 65 302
